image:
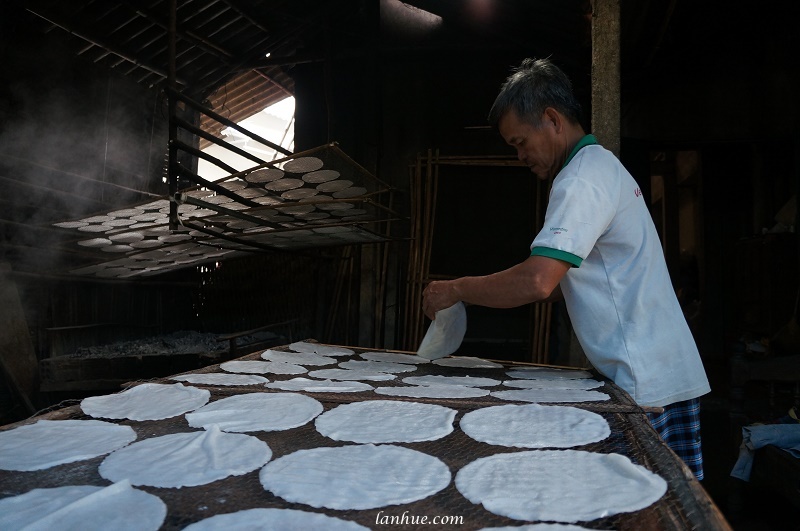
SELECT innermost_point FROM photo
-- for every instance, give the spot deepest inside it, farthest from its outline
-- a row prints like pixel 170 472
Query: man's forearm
pixel 535 279
pixel 530 281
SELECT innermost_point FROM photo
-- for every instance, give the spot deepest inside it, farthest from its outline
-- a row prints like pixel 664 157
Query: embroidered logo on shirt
pixel 558 230
pixel 637 192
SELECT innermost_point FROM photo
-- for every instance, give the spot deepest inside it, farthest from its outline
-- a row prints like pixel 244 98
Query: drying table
pixel 685 505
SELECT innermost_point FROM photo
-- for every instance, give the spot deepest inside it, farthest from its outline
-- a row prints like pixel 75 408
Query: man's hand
pixel 438 295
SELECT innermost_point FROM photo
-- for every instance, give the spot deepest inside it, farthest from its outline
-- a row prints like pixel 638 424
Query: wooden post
pixel 606 73
pixel 18 364
pixel 172 171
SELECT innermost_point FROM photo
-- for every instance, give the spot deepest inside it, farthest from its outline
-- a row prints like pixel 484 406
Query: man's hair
pixel 532 87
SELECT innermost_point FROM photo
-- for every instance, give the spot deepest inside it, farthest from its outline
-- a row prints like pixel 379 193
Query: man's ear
pixel 554 118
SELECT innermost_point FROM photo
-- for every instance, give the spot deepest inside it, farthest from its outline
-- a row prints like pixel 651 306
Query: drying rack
pixel 685 505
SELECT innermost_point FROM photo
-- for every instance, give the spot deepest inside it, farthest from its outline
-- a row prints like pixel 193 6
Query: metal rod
pixel 201 154
pixel 108 47
pixel 229 123
pixel 59 192
pixel 183 198
pixel 233 239
pixel 188 35
pixel 78 278
pixel 172 173
pixel 218 141
pixel 77 176
pixel 216 187
pixel 268 78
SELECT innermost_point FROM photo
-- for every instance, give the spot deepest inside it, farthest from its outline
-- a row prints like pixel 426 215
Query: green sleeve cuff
pixel 570 258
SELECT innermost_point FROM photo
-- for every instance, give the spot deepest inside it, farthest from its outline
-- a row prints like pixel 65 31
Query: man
pixel 599 250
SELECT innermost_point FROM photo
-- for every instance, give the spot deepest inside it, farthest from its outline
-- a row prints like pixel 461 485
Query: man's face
pixel 536 147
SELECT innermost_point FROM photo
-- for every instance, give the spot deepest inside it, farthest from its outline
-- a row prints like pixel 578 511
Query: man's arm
pixel 533 280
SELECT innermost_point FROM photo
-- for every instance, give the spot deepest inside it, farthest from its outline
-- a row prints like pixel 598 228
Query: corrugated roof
pixel 244 96
pixel 215 40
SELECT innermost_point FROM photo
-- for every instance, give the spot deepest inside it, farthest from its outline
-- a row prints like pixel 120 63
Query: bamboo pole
pixel 382 280
pixel 549 312
pixel 534 355
pixel 337 293
pixel 427 233
pixel 349 305
pixel 416 258
pixel 412 250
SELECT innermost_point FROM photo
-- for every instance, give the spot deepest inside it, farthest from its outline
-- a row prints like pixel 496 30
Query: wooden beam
pixel 606 73
pixel 18 361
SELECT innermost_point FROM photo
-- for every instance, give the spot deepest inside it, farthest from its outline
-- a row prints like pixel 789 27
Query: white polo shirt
pixel 618 293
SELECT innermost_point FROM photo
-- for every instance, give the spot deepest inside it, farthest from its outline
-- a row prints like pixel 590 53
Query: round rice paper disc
pixel 250 193
pixel 256 412
pixel 70 224
pixel 146 244
pixel 85 507
pixel 535 426
pixel 348 193
pixel 334 186
pixel 436 379
pixel 538 527
pixel 116 248
pixel 379 366
pixel 551 395
pixel 303 164
pixel 48 443
pixel 366 476
pixel 445 333
pixel 304 346
pixel 320 176
pixel 98 219
pixel 149 401
pixel 262 367
pixel 283 185
pixel 122 222
pixel 348 374
pixel 313 216
pixel 127 237
pixel 585 384
pixel 353 212
pixel 267 200
pixel 218 378
pixel 186 459
pixel 433 391
pixel 386 421
pixel 336 206
pixel 320 386
pixel 267 519
pixel 298 358
pixel 548 374
pixel 264 175
pixel 218 199
pixel 233 185
pixel 464 362
pixel 95 242
pixel 586 485
pixel 328 350
pixel 393 357
pixel 300 193
pixel 96 228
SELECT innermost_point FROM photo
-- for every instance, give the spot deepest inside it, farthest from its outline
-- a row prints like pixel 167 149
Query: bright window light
pixel 275 123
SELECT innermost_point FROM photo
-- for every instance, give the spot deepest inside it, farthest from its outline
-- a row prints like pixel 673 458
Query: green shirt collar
pixel 588 140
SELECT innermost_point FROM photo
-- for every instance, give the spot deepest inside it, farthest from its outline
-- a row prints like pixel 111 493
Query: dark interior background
pixel 710 130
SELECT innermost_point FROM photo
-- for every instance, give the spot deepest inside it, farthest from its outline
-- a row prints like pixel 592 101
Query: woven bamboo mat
pixel 684 506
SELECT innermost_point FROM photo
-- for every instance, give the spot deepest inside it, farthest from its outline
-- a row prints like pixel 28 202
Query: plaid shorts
pixel 679 427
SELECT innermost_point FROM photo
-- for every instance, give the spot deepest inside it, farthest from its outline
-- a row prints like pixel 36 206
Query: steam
pixel 74 141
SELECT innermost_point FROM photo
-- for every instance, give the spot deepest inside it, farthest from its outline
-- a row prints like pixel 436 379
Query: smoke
pixel 75 139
